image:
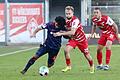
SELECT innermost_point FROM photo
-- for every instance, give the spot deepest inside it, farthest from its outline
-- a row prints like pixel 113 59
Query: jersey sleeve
pixel 43 26
pixel 75 23
pixel 109 21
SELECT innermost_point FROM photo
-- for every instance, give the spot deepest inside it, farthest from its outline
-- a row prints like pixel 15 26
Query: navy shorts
pixel 52 53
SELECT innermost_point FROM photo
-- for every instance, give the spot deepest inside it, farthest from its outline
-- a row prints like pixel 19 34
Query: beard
pixel 69 18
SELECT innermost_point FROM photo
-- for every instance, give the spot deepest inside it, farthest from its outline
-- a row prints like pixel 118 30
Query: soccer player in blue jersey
pixel 51 45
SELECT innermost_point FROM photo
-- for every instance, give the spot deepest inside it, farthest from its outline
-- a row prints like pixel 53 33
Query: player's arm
pixel 71 32
pixel 74 27
pixel 93 29
pixel 94 26
pixel 34 33
pixel 116 30
pixel 114 25
pixel 40 27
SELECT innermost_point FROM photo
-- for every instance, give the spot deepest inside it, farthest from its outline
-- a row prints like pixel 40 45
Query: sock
pixel 87 56
pixel 68 62
pixel 30 62
pixel 99 58
pixel 90 62
pixel 108 54
pixel 50 62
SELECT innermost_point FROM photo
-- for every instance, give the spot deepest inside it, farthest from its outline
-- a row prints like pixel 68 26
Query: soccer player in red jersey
pixel 78 39
pixel 109 34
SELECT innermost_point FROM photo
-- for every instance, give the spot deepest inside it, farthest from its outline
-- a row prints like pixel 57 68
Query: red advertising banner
pixel 24 19
pixel 2 30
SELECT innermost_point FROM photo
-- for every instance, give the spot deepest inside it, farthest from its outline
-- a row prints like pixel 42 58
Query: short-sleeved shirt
pixel 105 24
pixel 79 34
pixel 108 32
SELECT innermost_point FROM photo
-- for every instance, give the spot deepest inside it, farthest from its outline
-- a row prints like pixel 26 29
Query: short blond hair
pixel 69 8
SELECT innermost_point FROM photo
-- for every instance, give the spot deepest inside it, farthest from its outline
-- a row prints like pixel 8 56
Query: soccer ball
pixel 43 71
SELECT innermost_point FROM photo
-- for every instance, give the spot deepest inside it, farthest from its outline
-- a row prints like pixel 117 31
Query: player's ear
pixel 56 24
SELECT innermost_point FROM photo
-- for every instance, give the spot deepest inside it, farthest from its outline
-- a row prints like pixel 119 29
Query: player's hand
pixel 32 36
pixel 57 34
pixel 118 38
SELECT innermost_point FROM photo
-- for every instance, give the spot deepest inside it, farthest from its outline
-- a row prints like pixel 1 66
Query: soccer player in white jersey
pixel 109 34
pixel 78 39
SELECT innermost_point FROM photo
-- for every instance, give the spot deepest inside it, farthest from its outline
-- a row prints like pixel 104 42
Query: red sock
pixel 99 58
pixel 91 62
pixel 68 62
pixel 108 54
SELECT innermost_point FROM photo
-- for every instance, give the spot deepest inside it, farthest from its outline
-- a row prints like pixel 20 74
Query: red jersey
pixel 105 24
pixel 75 23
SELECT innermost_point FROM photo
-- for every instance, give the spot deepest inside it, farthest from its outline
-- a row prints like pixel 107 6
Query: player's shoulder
pixel 75 19
pixel 104 17
pixel 50 24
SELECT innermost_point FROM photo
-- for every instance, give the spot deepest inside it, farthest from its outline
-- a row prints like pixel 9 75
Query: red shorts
pixel 83 46
pixel 104 37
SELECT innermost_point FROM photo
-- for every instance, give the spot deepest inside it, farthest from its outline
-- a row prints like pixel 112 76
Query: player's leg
pixel 99 57
pixel 90 61
pixel 108 54
pixel 84 49
pixel 110 39
pixel 41 51
pixel 71 44
pixel 30 62
pixel 101 44
pixel 67 58
pixel 52 54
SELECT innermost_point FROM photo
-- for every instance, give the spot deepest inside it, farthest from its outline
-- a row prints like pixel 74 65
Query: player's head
pixel 60 22
pixel 97 12
pixel 69 11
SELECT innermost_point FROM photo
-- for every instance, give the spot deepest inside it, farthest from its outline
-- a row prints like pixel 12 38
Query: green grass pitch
pixel 11 65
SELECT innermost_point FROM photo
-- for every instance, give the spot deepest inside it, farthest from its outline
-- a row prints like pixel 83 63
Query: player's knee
pixel 108 48
pixel 35 58
pixel 99 48
pixel 32 60
pixel 66 51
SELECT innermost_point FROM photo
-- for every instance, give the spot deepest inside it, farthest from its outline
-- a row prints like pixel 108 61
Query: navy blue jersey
pixel 51 41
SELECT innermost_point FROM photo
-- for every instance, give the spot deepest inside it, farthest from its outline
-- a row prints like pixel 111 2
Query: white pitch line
pixel 18 51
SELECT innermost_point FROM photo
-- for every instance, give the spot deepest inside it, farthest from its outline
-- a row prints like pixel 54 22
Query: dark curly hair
pixel 61 22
